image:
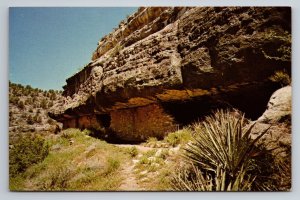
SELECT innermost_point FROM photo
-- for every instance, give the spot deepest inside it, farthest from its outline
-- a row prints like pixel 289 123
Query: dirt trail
pixel 130 182
pixel 140 148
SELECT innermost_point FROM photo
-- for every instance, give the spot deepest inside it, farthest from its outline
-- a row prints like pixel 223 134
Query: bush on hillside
pixel 26 151
pixel 21 105
pixel 57 180
pixel 133 151
pixel 44 104
pixel 13 99
pixel 30 120
pixel 182 136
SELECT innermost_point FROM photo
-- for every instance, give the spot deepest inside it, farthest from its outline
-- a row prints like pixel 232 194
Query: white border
pixel 4 192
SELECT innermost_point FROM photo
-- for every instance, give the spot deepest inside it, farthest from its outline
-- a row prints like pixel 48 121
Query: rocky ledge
pixel 167 66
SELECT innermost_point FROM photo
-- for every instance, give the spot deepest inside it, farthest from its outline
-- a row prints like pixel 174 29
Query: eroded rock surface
pixel 279 107
pixel 278 139
pixel 167 54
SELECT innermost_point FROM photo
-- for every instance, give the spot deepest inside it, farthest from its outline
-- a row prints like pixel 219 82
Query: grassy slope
pixel 76 162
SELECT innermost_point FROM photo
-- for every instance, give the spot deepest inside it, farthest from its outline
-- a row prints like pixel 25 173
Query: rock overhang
pixel 180 56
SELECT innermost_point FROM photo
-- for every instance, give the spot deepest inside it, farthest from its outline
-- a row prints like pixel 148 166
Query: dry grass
pixel 85 164
pixel 154 169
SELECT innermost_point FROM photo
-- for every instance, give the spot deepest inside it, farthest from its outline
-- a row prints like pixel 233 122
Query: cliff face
pixel 169 63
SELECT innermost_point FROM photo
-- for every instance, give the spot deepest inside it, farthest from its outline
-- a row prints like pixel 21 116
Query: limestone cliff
pixel 163 65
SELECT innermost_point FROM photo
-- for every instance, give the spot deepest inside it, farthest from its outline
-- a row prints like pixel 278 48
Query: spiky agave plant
pixel 193 179
pixel 221 152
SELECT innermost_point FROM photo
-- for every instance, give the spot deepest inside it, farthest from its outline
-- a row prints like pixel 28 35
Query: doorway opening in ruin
pixel 110 136
pixel 104 120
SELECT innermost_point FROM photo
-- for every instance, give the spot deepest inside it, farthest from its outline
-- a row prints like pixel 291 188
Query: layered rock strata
pixel 176 54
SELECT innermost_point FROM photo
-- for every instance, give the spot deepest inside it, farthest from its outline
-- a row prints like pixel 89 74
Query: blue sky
pixel 47 45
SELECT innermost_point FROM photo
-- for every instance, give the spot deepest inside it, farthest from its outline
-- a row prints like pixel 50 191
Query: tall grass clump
pixel 221 157
pixel 113 164
pixel 182 136
pixel 133 151
pixel 71 133
pixel 57 180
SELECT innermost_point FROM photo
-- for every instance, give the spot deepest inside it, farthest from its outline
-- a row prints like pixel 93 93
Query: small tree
pixel 27 150
pixel 37 118
pixel 21 105
pixel 44 104
pixel 30 120
pixel 13 99
pixel 50 104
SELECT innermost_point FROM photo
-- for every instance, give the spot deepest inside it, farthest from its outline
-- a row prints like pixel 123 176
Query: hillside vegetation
pixel 28 108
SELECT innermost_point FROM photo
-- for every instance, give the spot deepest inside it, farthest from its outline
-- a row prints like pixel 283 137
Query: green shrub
pixel 112 165
pixel 164 154
pixel 21 105
pixel 150 153
pixel 13 99
pixel 144 160
pixel 53 96
pixel 87 132
pixel 28 101
pixel 70 133
pixel 44 104
pixel 182 136
pixel 50 104
pixel 26 151
pixel 151 140
pixel 133 152
pixel 30 120
pixel 57 180
pixel 222 153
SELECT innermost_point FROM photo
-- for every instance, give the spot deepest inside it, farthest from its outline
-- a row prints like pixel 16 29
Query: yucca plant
pixel 194 180
pixel 223 150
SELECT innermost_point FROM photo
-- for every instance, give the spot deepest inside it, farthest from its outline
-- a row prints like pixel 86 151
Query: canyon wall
pixel 161 59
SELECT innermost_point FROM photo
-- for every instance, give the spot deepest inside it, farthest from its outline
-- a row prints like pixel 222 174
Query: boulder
pixel 277 118
pixel 277 140
pixel 279 107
